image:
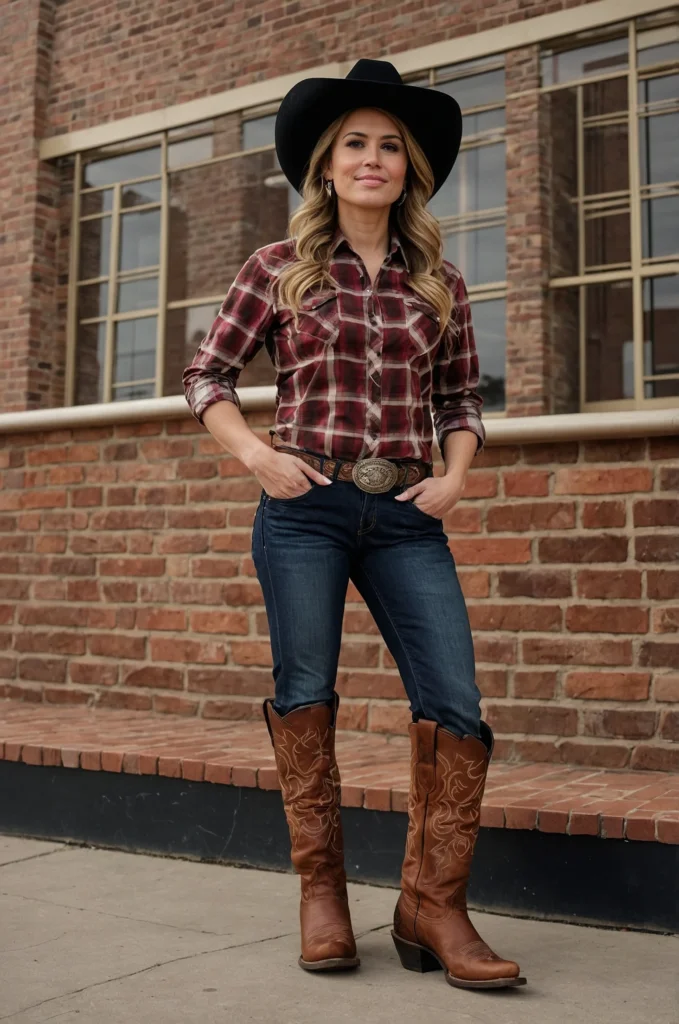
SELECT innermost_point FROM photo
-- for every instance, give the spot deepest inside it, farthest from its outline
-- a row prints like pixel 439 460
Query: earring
pixel 329 186
pixel 403 198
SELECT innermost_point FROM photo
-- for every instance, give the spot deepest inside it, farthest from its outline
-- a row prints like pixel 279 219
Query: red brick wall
pixel 126 581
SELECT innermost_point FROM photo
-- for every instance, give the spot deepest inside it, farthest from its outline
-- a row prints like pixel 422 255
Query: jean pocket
pixel 293 500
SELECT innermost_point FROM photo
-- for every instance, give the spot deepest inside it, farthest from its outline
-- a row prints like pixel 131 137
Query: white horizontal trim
pixel 502 430
pixel 586 17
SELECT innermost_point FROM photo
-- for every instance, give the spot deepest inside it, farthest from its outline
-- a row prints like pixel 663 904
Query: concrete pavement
pixel 103 937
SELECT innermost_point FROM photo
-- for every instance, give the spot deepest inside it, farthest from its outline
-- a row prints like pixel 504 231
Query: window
pixel 614 187
pixel 164 225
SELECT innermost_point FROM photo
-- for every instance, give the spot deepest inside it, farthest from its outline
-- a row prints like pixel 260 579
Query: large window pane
pixel 184 330
pixel 658 45
pixel 477 182
pixel 258 132
pixel 141 193
pixel 660 227
pixel 95 241
pixel 480 254
pixel 139 240
pixel 90 354
pixel 475 90
pixel 597 59
pixel 659 148
pixel 606 159
pixel 490 335
pixel 607 240
pixel 96 202
pixel 608 329
pixel 92 301
pixel 135 350
pixel 661 333
pixel 137 294
pixel 609 97
pixel 122 168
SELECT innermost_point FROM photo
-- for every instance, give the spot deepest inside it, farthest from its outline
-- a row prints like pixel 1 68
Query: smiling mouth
pixel 377 181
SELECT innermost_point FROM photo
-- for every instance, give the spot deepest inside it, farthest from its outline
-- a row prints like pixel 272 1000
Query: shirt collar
pixel 395 245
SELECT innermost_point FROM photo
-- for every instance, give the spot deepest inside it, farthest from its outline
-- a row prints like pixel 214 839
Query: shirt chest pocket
pixel 317 328
pixel 424 327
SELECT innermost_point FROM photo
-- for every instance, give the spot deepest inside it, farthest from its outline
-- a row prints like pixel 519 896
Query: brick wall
pixel 126 581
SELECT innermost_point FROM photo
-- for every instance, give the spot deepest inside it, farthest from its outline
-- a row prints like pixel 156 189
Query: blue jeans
pixel 306 549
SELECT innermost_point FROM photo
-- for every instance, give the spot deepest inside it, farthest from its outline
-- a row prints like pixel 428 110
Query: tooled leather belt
pixel 371 475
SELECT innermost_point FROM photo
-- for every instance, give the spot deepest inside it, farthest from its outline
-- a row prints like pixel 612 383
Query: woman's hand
pixel 435 495
pixel 283 475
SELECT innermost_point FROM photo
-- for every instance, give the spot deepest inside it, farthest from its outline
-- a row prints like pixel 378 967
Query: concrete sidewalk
pixel 101 937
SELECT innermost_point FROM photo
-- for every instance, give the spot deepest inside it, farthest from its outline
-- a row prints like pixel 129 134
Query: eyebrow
pixel 364 135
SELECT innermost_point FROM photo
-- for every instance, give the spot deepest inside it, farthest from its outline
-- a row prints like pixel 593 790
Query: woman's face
pixel 368 160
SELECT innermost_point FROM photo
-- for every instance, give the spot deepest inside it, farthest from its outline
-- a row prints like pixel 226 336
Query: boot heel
pixel 414 957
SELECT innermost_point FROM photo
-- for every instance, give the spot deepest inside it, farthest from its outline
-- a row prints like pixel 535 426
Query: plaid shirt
pixel 364 374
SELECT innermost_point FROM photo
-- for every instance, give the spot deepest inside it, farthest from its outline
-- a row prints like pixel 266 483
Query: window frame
pixel 639 269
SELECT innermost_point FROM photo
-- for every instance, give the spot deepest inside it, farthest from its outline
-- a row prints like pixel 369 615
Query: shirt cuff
pixel 474 426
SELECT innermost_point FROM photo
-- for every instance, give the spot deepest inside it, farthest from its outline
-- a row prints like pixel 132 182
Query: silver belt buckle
pixel 374 475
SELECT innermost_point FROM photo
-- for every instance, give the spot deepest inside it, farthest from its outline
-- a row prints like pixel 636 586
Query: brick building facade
pixel 138 175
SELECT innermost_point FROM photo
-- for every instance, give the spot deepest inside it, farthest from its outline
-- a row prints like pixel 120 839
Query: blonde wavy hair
pixel 313 224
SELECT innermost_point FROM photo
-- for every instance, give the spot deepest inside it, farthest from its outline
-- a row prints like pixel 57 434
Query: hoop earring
pixel 402 199
pixel 329 186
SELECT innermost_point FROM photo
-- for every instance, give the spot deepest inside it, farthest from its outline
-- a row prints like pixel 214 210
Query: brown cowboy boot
pixel 304 745
pixel 431 925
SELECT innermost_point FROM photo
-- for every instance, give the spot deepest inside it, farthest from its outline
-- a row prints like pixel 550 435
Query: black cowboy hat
pixel 311 105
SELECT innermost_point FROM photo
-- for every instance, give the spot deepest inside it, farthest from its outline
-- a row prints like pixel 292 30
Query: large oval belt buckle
pixel 374 475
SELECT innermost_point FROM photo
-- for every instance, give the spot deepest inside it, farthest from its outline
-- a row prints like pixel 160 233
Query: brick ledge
pixel 611 804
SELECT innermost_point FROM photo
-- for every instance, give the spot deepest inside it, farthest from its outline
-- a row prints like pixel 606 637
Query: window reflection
pixel 137 294
pixel 95 244
pixel 90 355
pixel 661 334
pixel 92 301
pixel 597 59
pixel 480 255
pixel 489 319
pixel 608 326
pixel 659 148
pixel 660 227
pixel 139 240
pixel 135 350
pixel 140 193
pixel 258 132
pixel 121 168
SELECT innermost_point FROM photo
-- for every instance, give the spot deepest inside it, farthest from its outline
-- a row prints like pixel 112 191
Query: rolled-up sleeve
pixel 236 335
pixel 456 405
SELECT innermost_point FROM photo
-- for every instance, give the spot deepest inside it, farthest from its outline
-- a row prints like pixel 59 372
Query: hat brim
pixel 433 117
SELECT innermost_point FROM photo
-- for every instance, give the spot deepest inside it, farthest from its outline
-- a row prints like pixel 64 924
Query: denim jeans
pixel 306 549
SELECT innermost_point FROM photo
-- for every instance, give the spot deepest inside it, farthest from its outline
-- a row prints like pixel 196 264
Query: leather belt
pixel 371 475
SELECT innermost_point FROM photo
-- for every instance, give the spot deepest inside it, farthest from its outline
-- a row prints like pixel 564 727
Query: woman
pixel 368 328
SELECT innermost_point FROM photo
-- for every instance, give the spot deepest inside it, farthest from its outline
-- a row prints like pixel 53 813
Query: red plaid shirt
pixel 363 375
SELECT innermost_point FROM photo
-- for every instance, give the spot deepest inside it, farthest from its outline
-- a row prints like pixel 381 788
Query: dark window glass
pixel 95 242
pixel 608 335
pixel 488 319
